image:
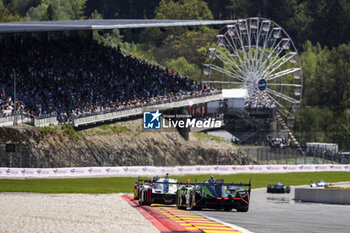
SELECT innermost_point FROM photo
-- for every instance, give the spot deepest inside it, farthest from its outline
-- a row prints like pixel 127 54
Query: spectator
pixel 75 77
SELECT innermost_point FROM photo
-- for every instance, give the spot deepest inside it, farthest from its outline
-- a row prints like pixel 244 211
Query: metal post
pixel 59 158
pixel 1 157
pixel 49 158
pixel 20 157
pixel 70 156
pixel 80 158
pixel 286 156
pixel 30 159
pixel 10 159
pixel 90 160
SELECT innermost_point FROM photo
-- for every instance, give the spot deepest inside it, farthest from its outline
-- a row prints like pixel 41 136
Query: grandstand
pixel 55 72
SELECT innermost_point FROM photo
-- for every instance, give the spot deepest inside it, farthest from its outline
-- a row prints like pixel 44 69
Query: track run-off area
pixel 267 213
pixel 170 219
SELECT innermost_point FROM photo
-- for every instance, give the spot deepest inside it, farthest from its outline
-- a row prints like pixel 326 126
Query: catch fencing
pixel 270 155
pixel 45 157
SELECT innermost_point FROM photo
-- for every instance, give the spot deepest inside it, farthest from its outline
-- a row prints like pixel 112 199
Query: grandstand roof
pixel 70 25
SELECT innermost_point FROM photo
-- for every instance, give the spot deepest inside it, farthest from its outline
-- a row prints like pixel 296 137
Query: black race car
pixel 213 194
pixel 277 188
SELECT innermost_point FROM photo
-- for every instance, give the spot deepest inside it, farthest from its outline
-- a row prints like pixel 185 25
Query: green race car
pixel 213 194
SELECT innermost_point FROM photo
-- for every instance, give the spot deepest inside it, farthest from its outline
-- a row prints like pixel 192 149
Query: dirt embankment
pixel 122 144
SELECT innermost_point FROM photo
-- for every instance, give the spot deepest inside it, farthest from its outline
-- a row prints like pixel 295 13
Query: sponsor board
pixel 151 170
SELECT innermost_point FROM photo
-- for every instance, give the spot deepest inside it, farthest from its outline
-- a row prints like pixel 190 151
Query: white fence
pixel 151 171
pixel 138 111
pixel 26 119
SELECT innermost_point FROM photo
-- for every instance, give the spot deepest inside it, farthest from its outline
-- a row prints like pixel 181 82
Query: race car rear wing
pixel 217 183
pixel 206 183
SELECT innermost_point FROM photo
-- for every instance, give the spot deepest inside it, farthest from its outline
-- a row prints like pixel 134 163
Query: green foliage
pixel 326 95
pixel 112 39
pixel 207 137
pixel 183 9
pixel 47 129
pixel 6 15
pixel 116 129
pixel 71 132
pixel 56 10
pixel 126 184
pixel 184 68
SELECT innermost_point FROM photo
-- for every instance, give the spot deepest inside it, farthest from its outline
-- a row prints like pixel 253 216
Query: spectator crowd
pixel 281 142
pixel 75 76
pixel 260 101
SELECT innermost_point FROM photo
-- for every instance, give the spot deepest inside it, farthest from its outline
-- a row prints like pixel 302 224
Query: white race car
pixel 319 184
pixel 157 190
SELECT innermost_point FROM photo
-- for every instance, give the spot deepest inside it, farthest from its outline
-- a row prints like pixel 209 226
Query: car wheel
pixel 288 190
pixel 179 203
pixel 141 198
pixel 136 196
pixel 227 209
pixel 193 204
pixel 243 209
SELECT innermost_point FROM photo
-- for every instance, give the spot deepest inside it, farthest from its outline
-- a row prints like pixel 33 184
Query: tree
pixel 6 15
pixel 184 68
pixel 169 9
pixel 57 10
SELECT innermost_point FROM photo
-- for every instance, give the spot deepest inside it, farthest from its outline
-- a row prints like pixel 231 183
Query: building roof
pixel 95 24
pixel 235 93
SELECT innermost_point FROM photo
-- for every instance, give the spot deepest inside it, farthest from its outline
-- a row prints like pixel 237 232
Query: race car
pixel 277 188
pixel 157 190
pixel 319 184
pixel 213 194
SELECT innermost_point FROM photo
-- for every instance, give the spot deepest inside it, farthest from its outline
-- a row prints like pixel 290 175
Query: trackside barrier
pixel 331 196
pixel 6 121
pixel 150 171
pixel 85 120
pixel 45 121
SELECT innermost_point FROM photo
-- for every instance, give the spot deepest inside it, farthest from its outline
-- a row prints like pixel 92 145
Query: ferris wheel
pixel 258 55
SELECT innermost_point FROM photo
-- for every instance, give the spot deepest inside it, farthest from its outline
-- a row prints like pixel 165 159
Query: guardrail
pixel 45 121
pixel 20 118
pixel 6 121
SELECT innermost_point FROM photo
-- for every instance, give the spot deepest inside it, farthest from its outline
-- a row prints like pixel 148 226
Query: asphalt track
pixel 279 213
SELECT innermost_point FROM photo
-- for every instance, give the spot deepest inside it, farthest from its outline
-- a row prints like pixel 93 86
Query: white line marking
pixel 241 229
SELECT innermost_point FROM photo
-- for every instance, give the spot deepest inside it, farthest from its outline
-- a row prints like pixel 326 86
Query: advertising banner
pixel 150 171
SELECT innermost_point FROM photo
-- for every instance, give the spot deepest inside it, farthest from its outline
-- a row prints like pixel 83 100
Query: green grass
pixel 207 137
pixel 125 184
pixel 107 130
pixel 71 132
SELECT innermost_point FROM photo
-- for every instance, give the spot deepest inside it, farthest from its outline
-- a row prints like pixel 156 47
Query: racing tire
pixel 227 209
pixel 141 197
pixel 288 190
pixel 179 204
pixel 243 209
pixel 193 204
pixel 136 194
